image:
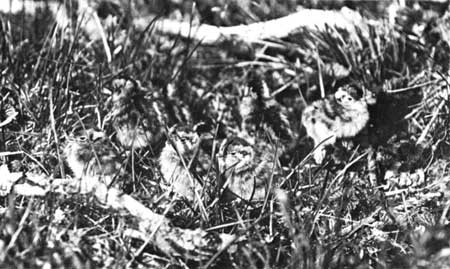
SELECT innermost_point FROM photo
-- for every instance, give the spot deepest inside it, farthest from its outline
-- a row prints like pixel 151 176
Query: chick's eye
pixel 82 138
pixel 349 99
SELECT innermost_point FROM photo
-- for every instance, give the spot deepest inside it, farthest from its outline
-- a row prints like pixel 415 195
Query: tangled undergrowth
pixel 377 201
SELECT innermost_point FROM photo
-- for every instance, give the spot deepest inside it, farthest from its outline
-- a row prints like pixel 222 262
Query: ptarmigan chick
pixel 245 173
pixel 260 112
pixel 341 115
pixel 181 143
pixel 135 117
pixel 92 157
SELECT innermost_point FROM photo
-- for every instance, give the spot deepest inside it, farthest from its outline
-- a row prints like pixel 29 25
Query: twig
pixel 150 238
pixel 16 234
pixel 319 71
pixel 218 227
pixel 430 123
pixel 277 28
pixel 349 230
pixel 314 19
pixel 399 90
pixel 282 88
pixel 443 219
pixel 196 244
pixel 9 119
pixel 9 153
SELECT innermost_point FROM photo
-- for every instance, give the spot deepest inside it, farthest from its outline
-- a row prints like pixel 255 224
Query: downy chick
pixel 92 157
pixel 135 117
pixel 340 115
pixel 181 143
pixel 260 112
pixel 245 172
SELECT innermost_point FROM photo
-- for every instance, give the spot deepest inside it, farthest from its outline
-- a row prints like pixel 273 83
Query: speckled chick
pixel 91 156
pixel 245 173
pixel 182 142
pixel 260 112
pixel 135 117
pixel 340 115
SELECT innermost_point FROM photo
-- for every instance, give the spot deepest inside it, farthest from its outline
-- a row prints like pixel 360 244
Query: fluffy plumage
pixel 261 112
pixel 245 171
pixel 341 115
pixel 135 117
pixel 181 142
pixel 90 155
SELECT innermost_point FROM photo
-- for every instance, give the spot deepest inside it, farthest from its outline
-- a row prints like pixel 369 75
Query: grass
pixel 327 216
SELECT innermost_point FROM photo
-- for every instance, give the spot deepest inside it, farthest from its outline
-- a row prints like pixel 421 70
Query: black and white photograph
pixel 272 134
